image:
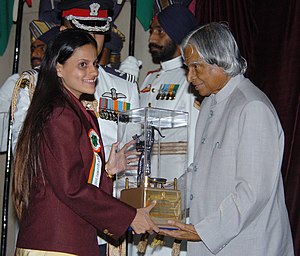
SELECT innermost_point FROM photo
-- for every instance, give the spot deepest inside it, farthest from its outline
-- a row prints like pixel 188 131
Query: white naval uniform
pixel 172 166
pixel 19 113
pixel 126 90
pixel 6 91
pixel 171 72
pixel 125 86
pixel 22 105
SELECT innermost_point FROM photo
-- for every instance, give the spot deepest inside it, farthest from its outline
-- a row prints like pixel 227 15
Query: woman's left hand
pixel 121 160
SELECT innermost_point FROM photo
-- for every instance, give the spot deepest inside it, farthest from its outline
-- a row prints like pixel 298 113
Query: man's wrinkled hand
pixel 184 232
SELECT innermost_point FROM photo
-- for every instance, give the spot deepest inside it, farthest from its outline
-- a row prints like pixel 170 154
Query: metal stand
pixel 131 53
pixel 132 27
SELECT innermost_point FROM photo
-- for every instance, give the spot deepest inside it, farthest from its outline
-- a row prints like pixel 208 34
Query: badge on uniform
pixel 109 105
pixel 95 170
pixel 94 7
pixel 146 89
pixel 167 92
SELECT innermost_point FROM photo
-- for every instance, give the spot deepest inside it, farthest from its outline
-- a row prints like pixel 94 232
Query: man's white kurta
pixel 237 199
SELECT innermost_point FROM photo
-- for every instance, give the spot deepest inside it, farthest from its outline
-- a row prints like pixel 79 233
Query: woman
pixel 62 187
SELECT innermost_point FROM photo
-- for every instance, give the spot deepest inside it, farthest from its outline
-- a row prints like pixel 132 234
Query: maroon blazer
pixel 66 212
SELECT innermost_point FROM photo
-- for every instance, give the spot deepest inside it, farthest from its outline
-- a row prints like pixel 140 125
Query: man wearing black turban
pixel 167 88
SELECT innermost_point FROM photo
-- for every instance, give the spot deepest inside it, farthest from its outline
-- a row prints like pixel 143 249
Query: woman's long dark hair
pixel 49 92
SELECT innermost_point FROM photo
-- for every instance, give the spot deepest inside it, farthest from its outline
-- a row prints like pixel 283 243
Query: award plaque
pixel 168 202
pixel 161 139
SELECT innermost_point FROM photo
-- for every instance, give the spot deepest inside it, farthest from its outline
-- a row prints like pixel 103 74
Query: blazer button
pixel 106 232
pixel 191 197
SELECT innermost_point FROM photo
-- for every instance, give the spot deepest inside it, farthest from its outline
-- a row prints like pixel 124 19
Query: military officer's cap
pixel 89 15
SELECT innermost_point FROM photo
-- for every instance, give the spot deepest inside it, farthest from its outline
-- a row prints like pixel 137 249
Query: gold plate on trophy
pixel 168 203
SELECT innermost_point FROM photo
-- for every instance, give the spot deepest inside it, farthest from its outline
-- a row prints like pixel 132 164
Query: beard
pixel 35 62
pixel 162 53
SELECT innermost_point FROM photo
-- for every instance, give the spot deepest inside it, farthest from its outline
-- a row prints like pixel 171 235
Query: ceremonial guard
pixel 6 91
pixel 167 87
pixel 22 95
pixel 116 91
pixel 41 33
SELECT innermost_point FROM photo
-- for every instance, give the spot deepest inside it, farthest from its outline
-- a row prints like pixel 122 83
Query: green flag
pixel 6 21
pixel 144 12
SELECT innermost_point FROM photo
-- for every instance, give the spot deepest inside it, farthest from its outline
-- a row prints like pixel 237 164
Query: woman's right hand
pixel 142 222
pixel 122 160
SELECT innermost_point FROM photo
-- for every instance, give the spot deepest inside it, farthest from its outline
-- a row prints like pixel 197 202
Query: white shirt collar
pixel 171 64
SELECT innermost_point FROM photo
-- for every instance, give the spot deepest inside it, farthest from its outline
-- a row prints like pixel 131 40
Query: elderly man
pixel 237 204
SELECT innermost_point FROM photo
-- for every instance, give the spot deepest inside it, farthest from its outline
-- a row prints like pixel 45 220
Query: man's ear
pixel 59 70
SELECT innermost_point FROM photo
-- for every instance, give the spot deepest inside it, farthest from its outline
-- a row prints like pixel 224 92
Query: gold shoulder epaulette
pixel 26 80
pixel 25 83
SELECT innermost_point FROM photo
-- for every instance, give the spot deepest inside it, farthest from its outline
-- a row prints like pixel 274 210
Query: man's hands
pixel 185 231
pixel 142 222
pixel 120 161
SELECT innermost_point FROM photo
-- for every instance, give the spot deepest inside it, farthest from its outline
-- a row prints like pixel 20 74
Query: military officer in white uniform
pixel 21 98
pixel 116 91
pixel 6 91
pixel 168 88
pixel 41 33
